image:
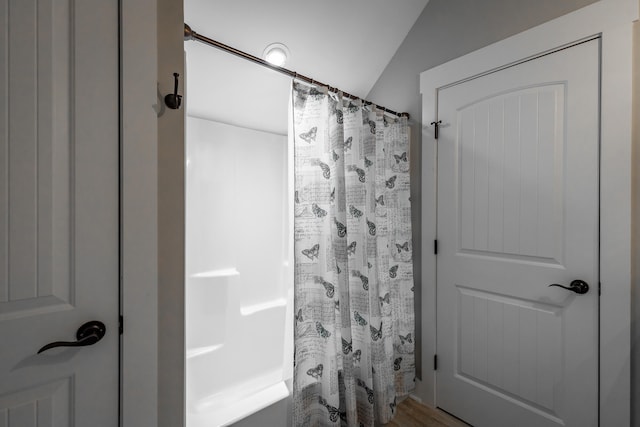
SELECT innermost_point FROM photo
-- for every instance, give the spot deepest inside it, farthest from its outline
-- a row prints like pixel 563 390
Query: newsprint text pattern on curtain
pixel 354 312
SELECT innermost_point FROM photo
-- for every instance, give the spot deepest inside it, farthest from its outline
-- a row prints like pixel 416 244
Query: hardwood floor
pixel 413 414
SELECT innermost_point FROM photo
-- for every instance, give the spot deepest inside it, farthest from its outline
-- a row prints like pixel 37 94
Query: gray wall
pixel 445 30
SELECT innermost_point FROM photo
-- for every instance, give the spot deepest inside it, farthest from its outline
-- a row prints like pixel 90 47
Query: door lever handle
pixel 577 286
pixel 88 334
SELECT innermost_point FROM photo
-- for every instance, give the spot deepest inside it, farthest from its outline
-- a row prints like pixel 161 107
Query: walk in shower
pixel 239 275
pixel 239 240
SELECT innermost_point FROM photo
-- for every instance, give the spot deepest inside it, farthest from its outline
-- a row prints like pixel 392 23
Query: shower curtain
pixel 353 288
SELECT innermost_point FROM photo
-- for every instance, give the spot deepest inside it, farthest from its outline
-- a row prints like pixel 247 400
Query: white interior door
pixel 58 211
pixel 517 211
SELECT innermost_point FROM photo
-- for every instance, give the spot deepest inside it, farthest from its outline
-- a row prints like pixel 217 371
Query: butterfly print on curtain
pixel 351 198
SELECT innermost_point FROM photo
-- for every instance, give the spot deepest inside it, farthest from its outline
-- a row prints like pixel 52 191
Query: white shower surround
pixel 239 279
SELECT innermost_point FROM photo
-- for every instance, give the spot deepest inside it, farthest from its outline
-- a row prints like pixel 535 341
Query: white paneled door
pixel 518 211
pixel 59 151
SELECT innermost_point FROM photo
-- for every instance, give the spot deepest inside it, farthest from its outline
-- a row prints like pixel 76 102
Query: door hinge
pixel 436 126
pixel 435 247
pixel 435 362
pixel 120 325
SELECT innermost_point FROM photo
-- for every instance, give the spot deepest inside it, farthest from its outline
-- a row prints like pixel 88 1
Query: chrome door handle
pixel 577 286
pixel 88 334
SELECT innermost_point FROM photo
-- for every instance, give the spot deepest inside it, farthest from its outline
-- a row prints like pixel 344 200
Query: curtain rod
pixel 189 34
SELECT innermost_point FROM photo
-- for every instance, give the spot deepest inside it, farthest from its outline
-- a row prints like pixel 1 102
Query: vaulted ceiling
pixel 343 43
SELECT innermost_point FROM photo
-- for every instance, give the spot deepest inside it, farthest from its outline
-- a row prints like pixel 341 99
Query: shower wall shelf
pixel 248 310
pixel 223 272
pixel 199 351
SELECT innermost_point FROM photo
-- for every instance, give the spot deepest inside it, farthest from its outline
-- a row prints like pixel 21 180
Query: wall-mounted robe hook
pixel 173 100
pixel 436 128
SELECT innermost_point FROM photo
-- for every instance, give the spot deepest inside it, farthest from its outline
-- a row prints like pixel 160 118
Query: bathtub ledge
pixel 224 411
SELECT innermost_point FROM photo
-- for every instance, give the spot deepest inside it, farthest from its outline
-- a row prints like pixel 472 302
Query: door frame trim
pixel 139 213
pixel 152 369
pixel 612 20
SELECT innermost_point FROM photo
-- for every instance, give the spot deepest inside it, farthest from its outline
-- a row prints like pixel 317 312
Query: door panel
pixel 509 345
pixel 35 151
pixel 495 219
pixel 46 405
pixel 517 211
pixel 58 210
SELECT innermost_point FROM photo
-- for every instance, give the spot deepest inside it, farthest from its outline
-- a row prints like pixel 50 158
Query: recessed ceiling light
pixel 276 54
